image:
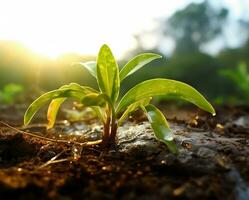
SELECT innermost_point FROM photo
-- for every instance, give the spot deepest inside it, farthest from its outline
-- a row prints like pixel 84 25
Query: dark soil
pixel 213 162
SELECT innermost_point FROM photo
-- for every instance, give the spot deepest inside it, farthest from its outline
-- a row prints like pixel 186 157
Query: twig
pixel 89 143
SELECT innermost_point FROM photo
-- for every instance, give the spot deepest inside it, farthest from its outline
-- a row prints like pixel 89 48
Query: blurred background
pixel 204 43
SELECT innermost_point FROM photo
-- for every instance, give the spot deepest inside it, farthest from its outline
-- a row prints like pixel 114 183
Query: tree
pixel 195 25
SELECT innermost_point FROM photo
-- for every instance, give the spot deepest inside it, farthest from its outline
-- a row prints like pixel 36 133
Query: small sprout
pixel 104 102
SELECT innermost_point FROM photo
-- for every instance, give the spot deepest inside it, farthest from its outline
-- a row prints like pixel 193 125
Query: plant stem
pixel 113 134
pixel 110 127
pixel 105 139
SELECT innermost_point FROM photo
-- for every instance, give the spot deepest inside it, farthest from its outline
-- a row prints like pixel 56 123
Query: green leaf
pixel 155 87
pixel 94 99
pixel 136 63
pixel 99 112
pixel 91 100
pixel 90 66
pixel 56 103
pixel 108 73
pixel 72 90
pixel 53 109
pixel 132 108
pixel 43 99
pixel 160 127
pixel 83 89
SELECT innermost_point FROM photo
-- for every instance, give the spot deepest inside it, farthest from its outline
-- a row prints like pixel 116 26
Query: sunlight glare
pixel 55 27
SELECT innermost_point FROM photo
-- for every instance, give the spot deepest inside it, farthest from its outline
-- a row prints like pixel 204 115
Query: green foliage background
pixel 191 28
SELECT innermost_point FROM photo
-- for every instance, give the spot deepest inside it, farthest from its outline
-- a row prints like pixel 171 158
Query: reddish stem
pixel 105 139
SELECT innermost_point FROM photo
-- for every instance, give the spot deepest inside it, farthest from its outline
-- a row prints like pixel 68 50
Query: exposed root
pixel 33 126
pixel 89 143
pixel 53 160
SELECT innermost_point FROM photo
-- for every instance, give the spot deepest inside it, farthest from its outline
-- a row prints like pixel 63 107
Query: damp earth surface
pixel 212 162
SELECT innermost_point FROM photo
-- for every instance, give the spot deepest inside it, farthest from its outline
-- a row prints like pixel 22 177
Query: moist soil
pixel 213 161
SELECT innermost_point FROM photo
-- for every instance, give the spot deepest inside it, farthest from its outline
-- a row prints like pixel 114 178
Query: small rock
pixel 205 152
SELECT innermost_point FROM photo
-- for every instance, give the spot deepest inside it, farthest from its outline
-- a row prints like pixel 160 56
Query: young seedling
pixel 104 102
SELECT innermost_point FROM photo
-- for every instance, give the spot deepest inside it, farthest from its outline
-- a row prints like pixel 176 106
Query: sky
pixel 54 27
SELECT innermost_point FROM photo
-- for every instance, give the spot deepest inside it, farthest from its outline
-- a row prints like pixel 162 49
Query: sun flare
pixel 55 27
pixel 52 28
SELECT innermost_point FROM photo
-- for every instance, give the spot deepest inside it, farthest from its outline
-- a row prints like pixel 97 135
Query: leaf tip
pixel 105 46
pixel 155 55
pixel 212 110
